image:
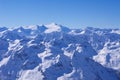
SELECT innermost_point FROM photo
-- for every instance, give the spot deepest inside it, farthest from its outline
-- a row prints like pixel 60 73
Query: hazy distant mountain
pixel 55 52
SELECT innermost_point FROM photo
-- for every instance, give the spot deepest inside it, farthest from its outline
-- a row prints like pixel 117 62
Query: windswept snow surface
pixel 55 52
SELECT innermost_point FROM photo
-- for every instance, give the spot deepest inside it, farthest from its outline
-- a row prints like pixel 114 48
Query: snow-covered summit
pixel 55 52
pixel 53 27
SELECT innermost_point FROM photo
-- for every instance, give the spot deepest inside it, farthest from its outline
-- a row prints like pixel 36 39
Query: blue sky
pixel 72 13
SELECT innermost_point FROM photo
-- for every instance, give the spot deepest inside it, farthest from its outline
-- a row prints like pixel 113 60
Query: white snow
pixel 115 31
pixel 31 75
pixel 52 28
pixel 13 44
pixel 4 61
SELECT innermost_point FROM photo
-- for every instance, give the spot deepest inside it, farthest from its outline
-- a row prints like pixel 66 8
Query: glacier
pixel 56 52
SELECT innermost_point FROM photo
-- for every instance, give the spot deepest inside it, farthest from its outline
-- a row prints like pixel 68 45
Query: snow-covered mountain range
pixel 55 52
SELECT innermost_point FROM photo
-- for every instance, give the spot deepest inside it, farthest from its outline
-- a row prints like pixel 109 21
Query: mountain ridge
pixel 55 52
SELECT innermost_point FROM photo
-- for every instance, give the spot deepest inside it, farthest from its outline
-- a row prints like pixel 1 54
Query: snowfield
pixel 55 52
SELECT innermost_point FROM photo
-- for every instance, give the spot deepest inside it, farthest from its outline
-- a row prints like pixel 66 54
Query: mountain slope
pixel 55 52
